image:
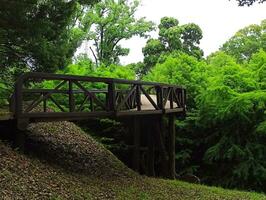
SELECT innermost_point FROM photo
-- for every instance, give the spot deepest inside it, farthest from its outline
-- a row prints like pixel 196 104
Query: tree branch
pixel 95 57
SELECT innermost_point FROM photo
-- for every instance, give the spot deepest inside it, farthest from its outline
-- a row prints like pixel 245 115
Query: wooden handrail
pixel 102 102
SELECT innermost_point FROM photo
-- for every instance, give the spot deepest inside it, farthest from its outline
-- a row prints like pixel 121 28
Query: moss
pixel 100 176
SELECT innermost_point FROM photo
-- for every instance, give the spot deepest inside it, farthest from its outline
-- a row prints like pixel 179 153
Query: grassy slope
pixel 68 164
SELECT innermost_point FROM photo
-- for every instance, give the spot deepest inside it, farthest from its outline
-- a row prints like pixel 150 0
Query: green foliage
pixel 109 22
pixel 181 69
pixel 222 138
pixel 257 63
pixel 246 42
pixel 236 140
pixel 39 35
pixel 85 67
pixel 172 37
pixel 4 95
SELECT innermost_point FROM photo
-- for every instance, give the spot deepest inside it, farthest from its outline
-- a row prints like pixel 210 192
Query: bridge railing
pixel 83 98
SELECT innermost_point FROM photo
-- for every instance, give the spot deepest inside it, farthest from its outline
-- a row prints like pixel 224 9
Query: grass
pixel 71 165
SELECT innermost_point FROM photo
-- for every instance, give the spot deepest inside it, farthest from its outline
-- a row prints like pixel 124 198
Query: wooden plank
pixel 50 76
pixel 135 112
pixel 62 91
pixel 174 110
pixel 66 114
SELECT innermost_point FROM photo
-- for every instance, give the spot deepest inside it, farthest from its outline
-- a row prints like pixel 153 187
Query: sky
pixel 218 19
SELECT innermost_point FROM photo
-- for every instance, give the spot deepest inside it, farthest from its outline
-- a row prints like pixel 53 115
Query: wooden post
pixel 44 103
pixel 161 145
pixel 151 141
pixel 91 104
pixel 171 145
pixel 159 96
pixel 111 97
pixel 71 97
pixel 136 136
pixel 138 98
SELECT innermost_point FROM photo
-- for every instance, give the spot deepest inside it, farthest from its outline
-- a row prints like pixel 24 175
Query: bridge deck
pixel 53 97
pixel 49 97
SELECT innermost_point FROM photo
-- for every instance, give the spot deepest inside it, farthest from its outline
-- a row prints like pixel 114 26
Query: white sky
pixel 218 19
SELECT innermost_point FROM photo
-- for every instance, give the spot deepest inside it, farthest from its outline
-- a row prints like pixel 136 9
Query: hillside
pixel 63 162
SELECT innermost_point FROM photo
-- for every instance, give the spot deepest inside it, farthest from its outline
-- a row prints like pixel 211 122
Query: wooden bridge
pixel 52 97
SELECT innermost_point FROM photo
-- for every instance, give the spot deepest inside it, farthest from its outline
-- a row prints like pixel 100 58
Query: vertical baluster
pixel 183 98
pixel 111 97
pixel 171 145
pixel 138 98
pixel 91 104
pixel 44 102
pixel 159 95
pixel 71 97
pixel 171 97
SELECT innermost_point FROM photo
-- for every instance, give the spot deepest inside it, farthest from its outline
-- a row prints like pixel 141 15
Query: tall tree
pixel 38 35
pixel 172 37
pixel 110 22
pixel 246 42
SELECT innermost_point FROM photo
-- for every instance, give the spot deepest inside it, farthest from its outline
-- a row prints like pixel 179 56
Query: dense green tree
pixel 172 37
pixel 257 64
pixel 246 42
pixel 110 22
pixel 152 51
pixel 181 69
pixel 38 35
pixel 222 137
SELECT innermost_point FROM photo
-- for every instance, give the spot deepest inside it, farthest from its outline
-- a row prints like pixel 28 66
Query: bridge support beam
pixel 151 148
pixel 171 145
pixel 160 139
pixel 136 139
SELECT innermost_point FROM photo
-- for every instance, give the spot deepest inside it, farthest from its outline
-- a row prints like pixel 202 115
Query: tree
pixel 172 37
pixel 222 138
pixel 38 35
pixel 181 69
pixel 249 2
pixel 246 42
pixel 110 22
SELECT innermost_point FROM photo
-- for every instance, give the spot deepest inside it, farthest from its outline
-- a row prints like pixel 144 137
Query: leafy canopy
pixel 108 23
pixel 39 35
pixel 246 42
pixel 172 37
